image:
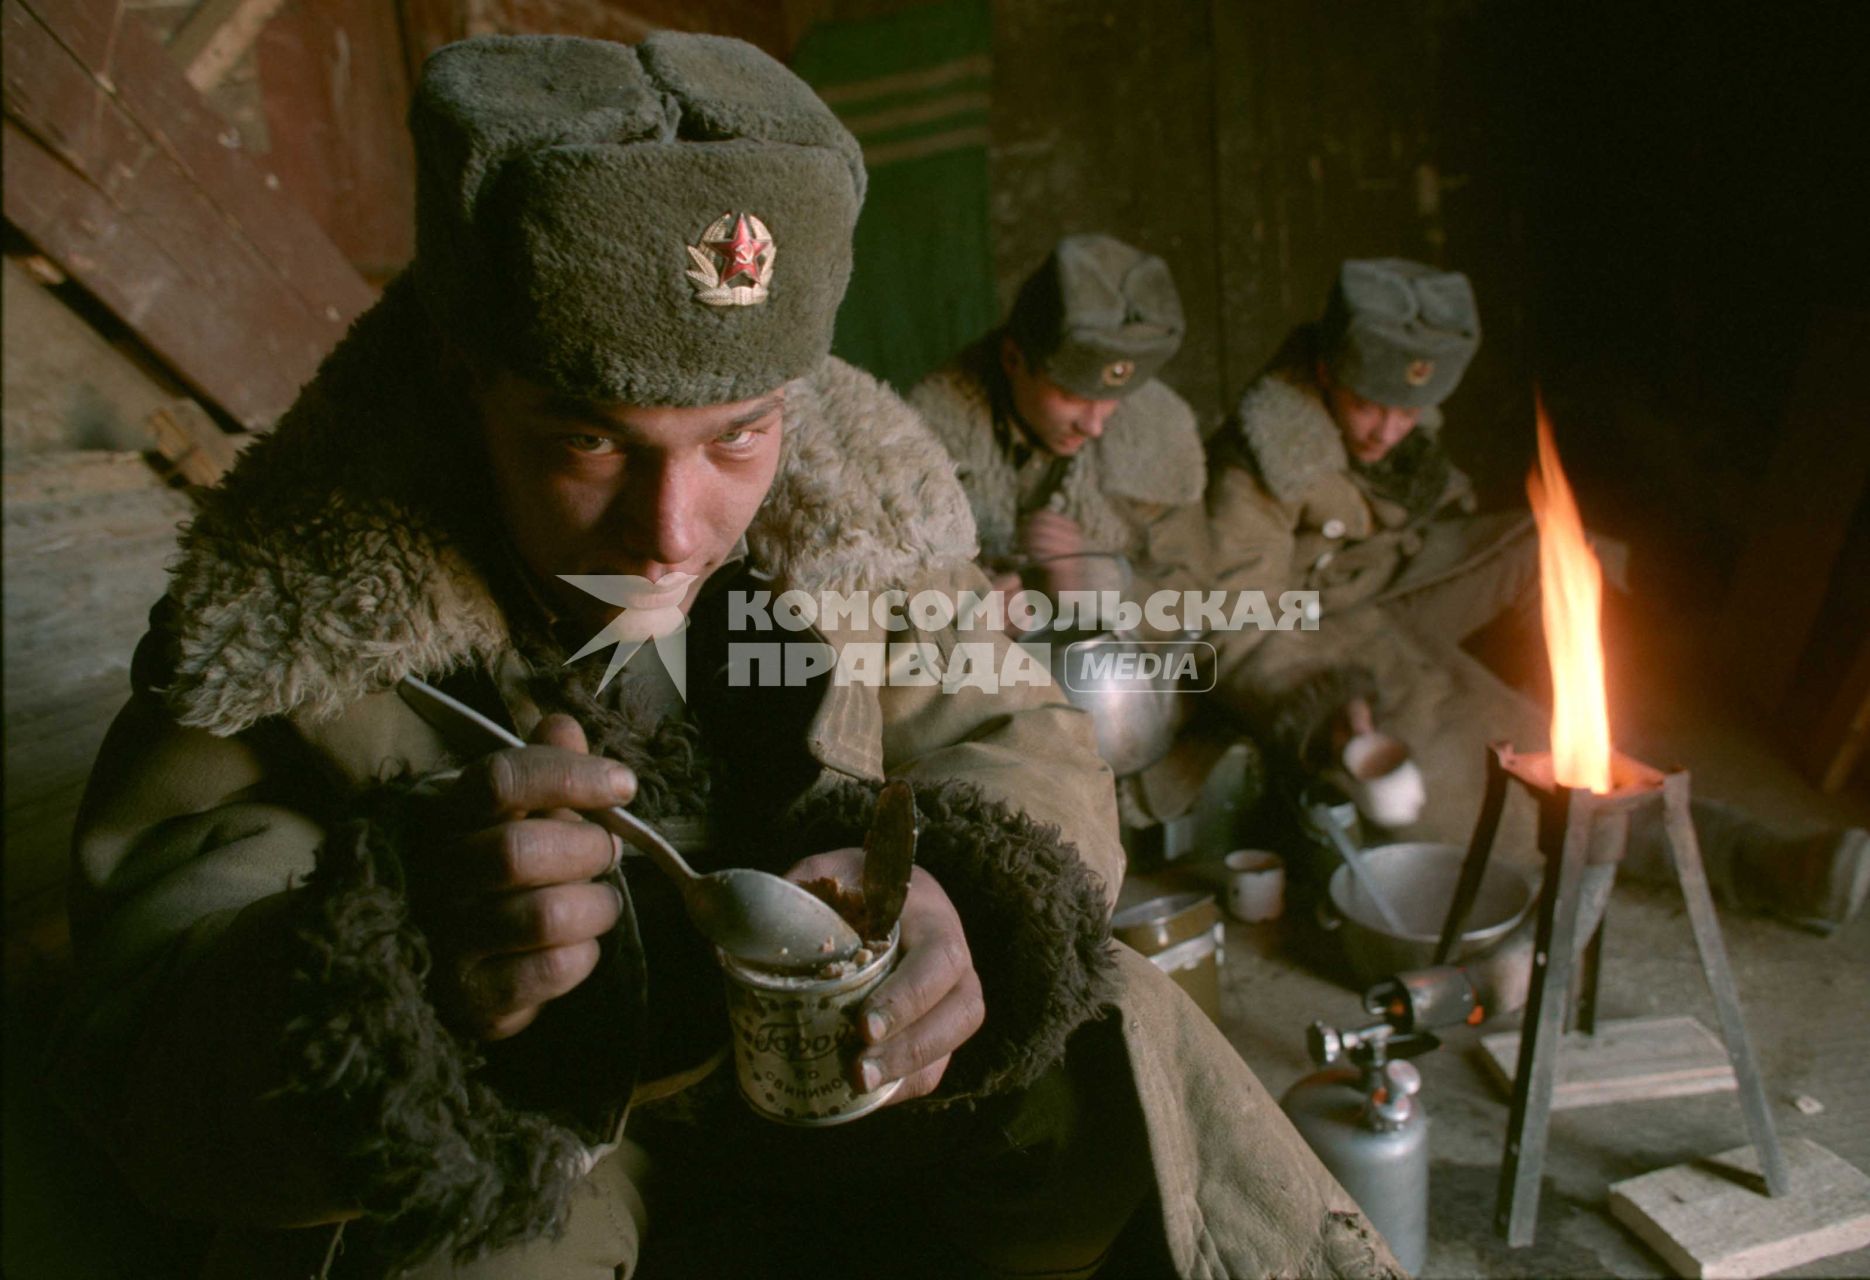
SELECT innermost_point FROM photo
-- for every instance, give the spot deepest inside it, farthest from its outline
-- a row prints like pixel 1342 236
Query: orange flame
pixel 1572 585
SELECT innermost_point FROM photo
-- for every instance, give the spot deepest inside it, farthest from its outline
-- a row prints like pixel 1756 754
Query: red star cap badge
pixel 742 251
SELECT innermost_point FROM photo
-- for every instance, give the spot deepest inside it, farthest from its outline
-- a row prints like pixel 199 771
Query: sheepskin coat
pixel 1135 490
pixel 265 760
pixel 1289 508
pixel 1403 573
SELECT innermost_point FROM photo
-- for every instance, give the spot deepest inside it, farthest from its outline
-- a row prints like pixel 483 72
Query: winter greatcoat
pixel 351 547
pixel 1135 491
pixel 1403 573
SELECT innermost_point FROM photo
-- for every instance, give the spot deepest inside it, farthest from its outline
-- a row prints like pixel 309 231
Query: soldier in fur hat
pixel 372 1006
pixel 1069 448
pixel 1330 476
pixel 1084 470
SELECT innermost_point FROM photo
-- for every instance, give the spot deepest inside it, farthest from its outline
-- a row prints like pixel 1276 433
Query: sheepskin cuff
pixel 433 1144
pixel 1034 916
pixel 1301 715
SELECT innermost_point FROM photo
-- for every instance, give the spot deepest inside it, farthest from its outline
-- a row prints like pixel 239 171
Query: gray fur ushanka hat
pixel 1398 332
pixel 1098 317
pixel 661 224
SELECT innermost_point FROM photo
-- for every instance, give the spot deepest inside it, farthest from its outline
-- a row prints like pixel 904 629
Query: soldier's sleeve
pixel 1172 556
pixel 252 1036
pixel 179 831
pixel 1286 685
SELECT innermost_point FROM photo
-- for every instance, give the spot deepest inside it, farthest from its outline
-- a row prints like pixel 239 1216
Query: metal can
pixel 1183 936
pixel 795 1037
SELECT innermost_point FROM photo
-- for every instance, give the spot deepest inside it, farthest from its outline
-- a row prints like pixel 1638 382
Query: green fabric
pixel 664 223
pixel 913 87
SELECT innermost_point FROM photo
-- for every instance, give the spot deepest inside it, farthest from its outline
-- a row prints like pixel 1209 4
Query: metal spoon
pixel 1363 875
pixel 753 916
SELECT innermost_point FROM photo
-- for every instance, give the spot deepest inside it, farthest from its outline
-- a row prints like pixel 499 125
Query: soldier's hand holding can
pixel 930 1005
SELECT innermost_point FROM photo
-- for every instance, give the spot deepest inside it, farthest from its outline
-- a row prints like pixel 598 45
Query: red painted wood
pixel 336 91
pixel 122 174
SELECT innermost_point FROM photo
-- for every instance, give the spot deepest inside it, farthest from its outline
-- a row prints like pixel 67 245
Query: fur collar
pixel 1290 436
pixel 1151 449
pixel 1150 452
pixel 343 551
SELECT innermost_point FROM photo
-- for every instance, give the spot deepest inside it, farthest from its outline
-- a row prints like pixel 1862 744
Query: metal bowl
pixel 1418 878
pixel 1135 725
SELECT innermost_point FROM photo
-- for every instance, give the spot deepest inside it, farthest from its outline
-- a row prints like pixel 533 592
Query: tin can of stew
pixel 795 1037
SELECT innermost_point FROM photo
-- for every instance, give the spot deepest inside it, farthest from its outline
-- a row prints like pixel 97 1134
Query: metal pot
pixel 1135 725
pixel 1418 878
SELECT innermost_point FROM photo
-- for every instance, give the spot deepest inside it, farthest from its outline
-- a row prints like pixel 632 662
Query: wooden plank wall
pixel 88 527
pixel 168 262
pixel 336 91
pixel 1254 146
pixel 336 78
pixel 117 169
pixel 87 535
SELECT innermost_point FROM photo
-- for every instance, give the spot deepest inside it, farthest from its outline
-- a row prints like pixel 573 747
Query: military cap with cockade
pixel 1098 317
pixel 1398 332
pixel 666 223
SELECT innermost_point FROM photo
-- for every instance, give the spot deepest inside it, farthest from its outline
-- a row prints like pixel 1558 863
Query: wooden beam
pixel 193 443
pixel 336 94
pixel 122 174
pixel 212 38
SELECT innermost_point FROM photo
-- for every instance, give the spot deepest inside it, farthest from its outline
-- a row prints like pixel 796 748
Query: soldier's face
pixel 1370 430
pixel 595 488
pixel 1063 422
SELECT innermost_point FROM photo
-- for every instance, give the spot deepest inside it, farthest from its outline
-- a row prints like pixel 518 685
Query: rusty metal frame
pixel 1575 828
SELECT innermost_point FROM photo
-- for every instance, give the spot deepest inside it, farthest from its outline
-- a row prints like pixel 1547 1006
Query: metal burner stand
pixel 1583 837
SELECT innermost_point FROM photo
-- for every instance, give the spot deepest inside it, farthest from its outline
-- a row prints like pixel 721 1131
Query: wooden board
pixel 87 534
pixel 336 92
pixel 62 384
pixel 122 174
pixel 1628 1059
pixel 1707 1219
pixel 194 443
pixel 213 38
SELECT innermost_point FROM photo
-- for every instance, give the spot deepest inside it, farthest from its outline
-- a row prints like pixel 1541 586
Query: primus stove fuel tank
pixel 1362 1116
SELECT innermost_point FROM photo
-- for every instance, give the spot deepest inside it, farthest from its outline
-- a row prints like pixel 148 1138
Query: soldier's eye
pixel 593 445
